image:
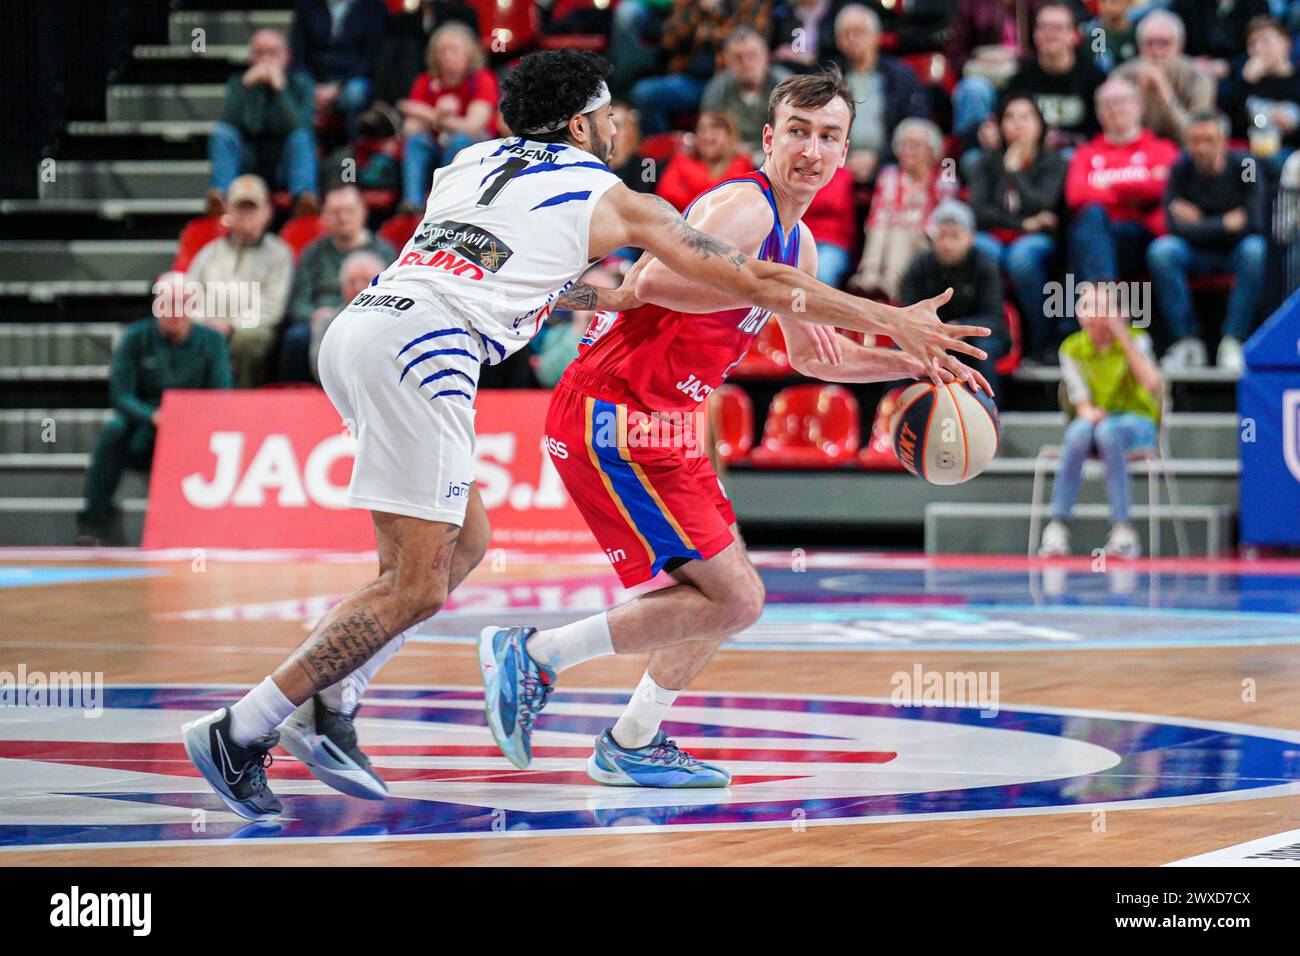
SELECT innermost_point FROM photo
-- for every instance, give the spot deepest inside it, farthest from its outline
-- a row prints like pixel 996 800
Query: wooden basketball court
pixel 1148 718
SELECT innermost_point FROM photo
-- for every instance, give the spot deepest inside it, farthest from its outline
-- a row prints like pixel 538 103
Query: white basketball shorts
pixel 403 373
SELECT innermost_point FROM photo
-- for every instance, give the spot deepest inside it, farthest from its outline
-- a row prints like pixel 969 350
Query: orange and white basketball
pixel 946 434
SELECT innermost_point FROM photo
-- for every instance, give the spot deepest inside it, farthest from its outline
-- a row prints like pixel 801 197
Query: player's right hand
pixel 924 336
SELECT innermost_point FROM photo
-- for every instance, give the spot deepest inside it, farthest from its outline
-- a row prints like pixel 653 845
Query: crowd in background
pixel 998 146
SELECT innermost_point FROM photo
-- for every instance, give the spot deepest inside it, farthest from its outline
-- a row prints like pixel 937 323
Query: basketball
pixel 945 435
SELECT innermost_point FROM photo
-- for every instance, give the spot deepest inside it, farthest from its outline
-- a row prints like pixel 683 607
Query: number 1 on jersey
pixel 512 168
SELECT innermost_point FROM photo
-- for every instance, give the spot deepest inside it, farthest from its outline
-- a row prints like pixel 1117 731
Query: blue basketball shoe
pixel 661 763
pixel 515 689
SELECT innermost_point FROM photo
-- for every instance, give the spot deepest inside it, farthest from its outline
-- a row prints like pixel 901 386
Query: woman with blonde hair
pixel 452 105
pixel 905 196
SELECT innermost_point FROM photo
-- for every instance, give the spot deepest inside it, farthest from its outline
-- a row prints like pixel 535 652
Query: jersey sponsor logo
pixel 693 387
pixel 389 303
pixel 456 489
pixel 447 261
pixel 557 448
pixel 600 323
pixel 462 240
pixel 754 321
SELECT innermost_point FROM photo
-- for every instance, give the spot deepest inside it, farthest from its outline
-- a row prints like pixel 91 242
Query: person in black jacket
pixel 886 91
pixel 338 44
pixel 1015 193
pixel 1062 83
pixel 1216 216
pixel 1216 30
pixel 954 262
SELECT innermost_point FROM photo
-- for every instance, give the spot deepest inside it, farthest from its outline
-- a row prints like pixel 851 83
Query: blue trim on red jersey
pixel 784 243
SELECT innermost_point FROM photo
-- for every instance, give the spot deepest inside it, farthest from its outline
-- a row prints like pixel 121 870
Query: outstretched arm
pixel 624 218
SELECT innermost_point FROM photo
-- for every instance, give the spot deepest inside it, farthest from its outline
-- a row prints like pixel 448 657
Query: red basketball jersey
pixel 663 360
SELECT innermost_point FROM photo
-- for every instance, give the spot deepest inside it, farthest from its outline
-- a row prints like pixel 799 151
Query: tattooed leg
pixel 413 583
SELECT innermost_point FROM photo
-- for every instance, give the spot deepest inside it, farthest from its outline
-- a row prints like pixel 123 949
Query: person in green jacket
pixel 266 126
pixel 154 354
pixel 1114 391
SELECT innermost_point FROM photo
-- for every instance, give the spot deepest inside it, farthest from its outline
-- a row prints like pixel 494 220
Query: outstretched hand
pixel 923 335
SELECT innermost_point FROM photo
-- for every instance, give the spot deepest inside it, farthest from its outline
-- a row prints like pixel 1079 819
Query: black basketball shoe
pixel 325 741
pixel 238 774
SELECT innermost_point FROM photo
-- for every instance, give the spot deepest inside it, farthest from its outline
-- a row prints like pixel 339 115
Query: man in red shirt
pixel 1114 187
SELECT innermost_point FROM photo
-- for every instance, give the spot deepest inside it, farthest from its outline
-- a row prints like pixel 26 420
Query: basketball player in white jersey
pixel 510 225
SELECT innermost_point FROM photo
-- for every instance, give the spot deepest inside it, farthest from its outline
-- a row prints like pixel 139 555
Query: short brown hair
pixel 1265 23
pixel 811 91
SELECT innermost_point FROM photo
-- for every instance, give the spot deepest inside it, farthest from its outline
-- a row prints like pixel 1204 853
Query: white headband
pixel 598 99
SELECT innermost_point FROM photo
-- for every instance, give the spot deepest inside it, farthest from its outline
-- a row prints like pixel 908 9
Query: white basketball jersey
pixel 503 235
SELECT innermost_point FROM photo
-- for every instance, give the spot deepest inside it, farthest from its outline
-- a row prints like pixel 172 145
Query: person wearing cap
pixel 252 269
pixel 266 125
pixel 953 261
pixel 166 350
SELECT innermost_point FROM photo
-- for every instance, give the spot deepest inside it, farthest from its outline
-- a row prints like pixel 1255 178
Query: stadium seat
pixel 300 232
pixel 733 418
pixel 809 426
pixel 1011 361
pixel 767 356
pixel 379 200
pixel 931 69
pixel 507 27
pixel 879 454
pixel 661 147
pixel 1214 282
pixel 197 234
pixel 399 229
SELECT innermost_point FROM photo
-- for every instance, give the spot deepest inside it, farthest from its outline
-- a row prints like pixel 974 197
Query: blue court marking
pixel 25 577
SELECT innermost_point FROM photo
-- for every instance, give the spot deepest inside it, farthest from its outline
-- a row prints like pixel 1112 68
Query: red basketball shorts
pixel 648 492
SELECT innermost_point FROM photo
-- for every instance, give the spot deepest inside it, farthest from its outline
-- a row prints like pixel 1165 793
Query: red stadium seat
pixel 809 426
pixel 399 229
pixel 300 232
pixel 879 455
pixel 1011 361
pixel 767 357
pixel 197 234
pixel 507 27
pixel 661 147
pixel 931 69
pixel 379 200
pixel 1214 282
pixel 733 416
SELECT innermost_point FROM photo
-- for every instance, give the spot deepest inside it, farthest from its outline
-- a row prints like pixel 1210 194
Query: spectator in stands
pixel 634 41
pixel 1113 26
pixel 1016 193
pixel 918 25
pixel 741 90
pixel 803 33
pixel 1169 84
pixel 885 90
pixel 317 289
pixel 1261 97
pixel 708 158
pixel 989 38
pixel 1216 30
pixel 904 197
pixel 451 106
pixel 355 273
pixel 407 43
pixel 338 44
pixel 627 161
pixel 693 35
pixel 1062 83
pixel 1217 221
pixel 832 220
pixel 266 126
pixel 1114 186
pixel 955 262
pixel 165 351
pixel 256 260
pixel 1114 393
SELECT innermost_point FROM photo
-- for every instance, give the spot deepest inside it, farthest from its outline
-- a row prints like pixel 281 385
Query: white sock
pixel 644 713
pixel 563 647
pixel 259 712
pixel 344 696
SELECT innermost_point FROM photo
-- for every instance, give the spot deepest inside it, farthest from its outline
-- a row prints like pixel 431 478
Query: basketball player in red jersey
pixel 619 432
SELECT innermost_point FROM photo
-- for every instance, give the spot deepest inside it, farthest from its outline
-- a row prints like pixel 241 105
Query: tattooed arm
pixel 582 297
pixel 624 218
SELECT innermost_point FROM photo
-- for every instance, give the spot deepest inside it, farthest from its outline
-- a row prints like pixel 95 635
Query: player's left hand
pixel 826 341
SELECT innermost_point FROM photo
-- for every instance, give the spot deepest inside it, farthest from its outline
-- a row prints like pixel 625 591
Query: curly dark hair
pixel 549 87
